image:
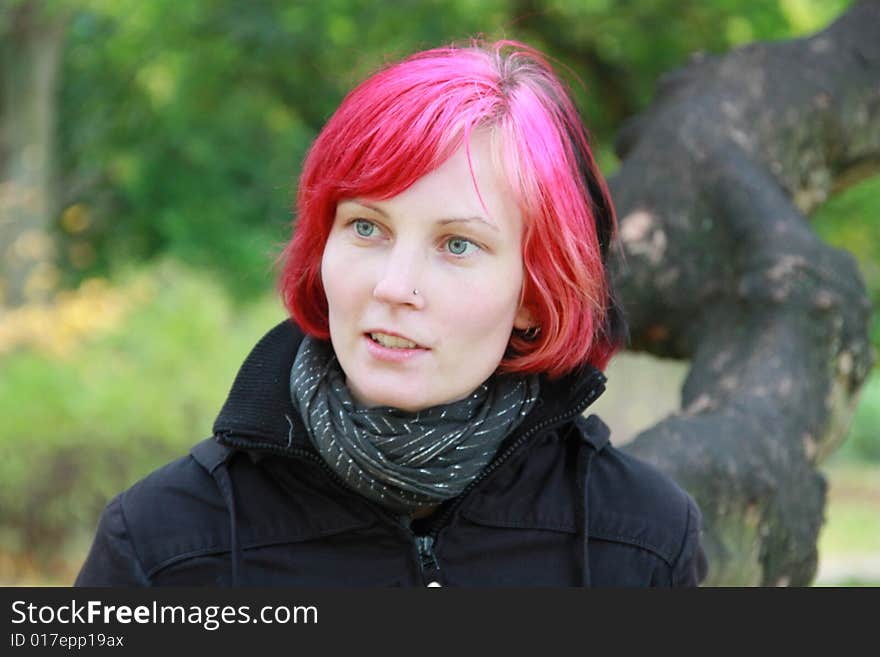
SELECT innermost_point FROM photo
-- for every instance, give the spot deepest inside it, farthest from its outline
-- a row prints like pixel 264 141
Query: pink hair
pixel 406 120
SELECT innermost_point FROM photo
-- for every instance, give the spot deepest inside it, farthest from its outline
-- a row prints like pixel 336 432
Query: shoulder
pixel 634 503
pixel 178 494
pixel 628 485
pixel 177 511
pixel 172 511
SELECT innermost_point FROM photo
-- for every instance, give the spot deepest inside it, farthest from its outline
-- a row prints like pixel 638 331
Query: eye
pixel 364 228
pixel 459 246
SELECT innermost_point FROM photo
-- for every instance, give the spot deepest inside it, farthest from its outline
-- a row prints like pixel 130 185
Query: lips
pixel 392 340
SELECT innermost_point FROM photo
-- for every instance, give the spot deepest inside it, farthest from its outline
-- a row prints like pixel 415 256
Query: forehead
pixel 468 186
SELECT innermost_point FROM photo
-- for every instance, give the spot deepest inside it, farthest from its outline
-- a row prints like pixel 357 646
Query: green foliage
pixel 183 124
pixel 80 428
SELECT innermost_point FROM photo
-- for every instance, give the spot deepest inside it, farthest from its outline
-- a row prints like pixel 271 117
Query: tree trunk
pixel 30 45
pixel 720 266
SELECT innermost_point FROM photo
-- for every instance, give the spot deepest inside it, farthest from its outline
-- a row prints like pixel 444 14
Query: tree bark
pixel 30 46
pixel 720 266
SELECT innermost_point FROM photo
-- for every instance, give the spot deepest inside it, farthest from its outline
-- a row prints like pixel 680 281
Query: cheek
pixel 486 314
pixel 335 276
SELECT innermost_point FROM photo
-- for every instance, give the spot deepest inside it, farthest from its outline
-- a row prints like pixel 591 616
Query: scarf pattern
pixel 404 460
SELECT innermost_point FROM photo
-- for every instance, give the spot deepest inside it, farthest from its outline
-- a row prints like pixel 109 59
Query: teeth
pixel 392 341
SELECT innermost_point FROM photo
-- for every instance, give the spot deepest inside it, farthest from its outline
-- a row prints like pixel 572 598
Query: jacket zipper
pixel 429 566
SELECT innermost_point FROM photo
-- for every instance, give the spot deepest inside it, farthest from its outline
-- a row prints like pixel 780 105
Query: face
pixel 415 350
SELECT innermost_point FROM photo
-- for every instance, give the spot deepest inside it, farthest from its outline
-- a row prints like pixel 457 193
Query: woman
pixel 418 421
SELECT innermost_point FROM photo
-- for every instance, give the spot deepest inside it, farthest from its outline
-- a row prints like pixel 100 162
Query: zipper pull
pixel 428 565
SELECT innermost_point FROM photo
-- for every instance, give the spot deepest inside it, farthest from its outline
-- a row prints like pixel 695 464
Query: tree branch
pixel 721 266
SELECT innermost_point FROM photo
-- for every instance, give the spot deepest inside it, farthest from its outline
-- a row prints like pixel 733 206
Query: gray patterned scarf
pixel 400 459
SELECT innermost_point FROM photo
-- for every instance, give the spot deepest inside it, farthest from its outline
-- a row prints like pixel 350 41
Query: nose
pixel 399 280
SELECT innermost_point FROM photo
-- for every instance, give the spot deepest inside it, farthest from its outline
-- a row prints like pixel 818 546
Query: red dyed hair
pixel 406 120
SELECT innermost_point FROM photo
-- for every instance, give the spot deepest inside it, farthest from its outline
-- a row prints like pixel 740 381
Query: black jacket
pixel 256 505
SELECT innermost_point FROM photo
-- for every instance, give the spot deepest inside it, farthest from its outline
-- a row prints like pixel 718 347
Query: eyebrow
pixel 442 222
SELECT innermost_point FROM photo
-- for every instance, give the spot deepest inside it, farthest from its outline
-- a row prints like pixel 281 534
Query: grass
pixel 849 545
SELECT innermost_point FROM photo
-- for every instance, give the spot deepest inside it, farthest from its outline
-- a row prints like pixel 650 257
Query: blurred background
pixel 159 144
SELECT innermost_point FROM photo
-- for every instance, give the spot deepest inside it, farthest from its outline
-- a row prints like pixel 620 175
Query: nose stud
pixel 416 292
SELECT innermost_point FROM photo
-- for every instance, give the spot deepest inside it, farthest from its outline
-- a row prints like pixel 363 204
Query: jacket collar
pixel 260 411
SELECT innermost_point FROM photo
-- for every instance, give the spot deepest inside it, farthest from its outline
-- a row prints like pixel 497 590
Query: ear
pixel 523 319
